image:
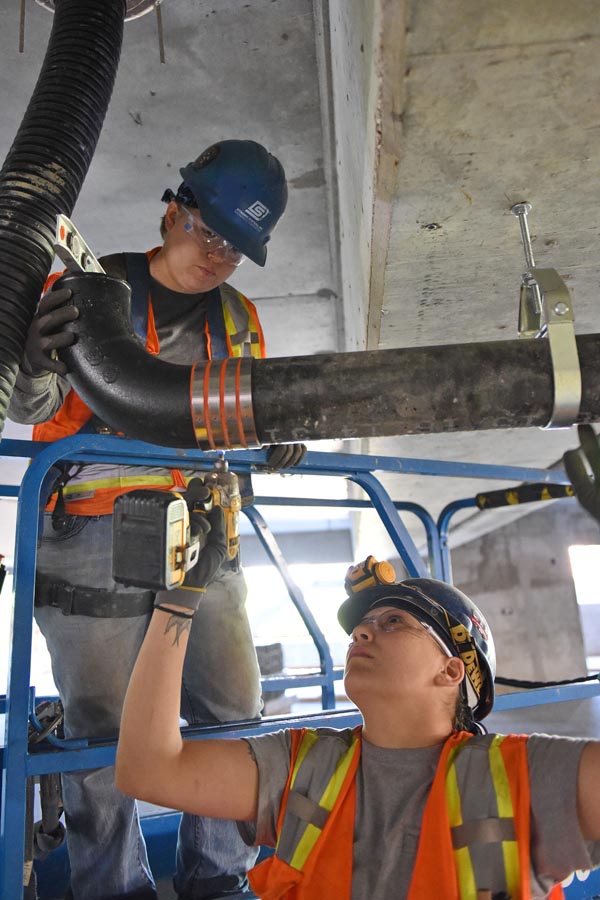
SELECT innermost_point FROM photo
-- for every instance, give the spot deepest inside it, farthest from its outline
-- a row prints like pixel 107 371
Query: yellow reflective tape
pixel 79 487
pixel 306 743
pixel 452 792
pixel 330 794
pixel 500 779
pixel 308 739
pixel 510 849
pixel 462 856
pixel 230 328
pixel 334 787
pixel 305 845
pixel 465 874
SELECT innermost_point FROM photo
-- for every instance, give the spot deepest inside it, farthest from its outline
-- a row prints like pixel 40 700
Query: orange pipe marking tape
pixel 222 409
pixel 209 433
pixel 238 408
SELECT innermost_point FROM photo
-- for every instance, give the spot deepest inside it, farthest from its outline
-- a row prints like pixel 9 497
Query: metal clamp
pixel 546 310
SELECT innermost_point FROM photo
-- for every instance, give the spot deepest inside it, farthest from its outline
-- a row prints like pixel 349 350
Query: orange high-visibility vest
pixel 96 498
pixel 315 830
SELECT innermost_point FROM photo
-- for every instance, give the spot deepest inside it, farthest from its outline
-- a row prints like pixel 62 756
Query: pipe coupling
pixel 221 403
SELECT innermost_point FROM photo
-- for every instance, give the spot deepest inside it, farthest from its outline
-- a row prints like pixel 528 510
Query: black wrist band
pixel 174 612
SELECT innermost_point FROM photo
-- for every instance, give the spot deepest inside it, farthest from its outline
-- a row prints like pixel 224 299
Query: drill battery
pixel 152 545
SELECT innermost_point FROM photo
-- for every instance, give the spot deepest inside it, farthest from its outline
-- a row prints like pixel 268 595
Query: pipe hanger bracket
pixel 546 310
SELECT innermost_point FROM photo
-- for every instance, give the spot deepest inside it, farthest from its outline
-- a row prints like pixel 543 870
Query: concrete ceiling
pixel 388 117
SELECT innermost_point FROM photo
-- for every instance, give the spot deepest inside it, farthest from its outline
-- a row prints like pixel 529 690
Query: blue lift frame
pixel 19 761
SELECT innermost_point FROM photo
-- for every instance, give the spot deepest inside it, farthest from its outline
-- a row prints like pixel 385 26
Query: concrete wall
pixel 521 578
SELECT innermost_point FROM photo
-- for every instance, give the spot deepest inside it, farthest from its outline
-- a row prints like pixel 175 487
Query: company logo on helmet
pixel 479 626
pixel 257 210
pixel 460 635
pixel 254 214
pixel 473 671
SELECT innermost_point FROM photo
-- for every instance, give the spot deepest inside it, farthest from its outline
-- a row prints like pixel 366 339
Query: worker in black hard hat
pixel 450 618
pixel 417 803
pixel 185 310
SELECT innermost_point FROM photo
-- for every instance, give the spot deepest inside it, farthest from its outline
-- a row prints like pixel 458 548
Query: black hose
pixel 48 161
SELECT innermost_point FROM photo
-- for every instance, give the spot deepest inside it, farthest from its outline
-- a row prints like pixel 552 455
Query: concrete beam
pixel 367 64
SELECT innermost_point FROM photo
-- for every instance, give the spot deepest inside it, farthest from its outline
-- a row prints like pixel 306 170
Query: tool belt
pixel 73 600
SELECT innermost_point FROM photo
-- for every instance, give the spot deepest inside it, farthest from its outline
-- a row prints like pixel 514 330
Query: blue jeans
pixel 92 659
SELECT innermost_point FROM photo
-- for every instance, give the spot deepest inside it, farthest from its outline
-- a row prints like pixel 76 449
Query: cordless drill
pixel 226 494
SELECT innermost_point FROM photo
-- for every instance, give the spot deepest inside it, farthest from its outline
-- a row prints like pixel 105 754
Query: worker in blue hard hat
pixel 185 310
pixel 237 191
pixel 419 802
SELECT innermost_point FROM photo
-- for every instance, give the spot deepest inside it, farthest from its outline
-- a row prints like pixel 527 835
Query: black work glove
pixel 585 486
pixel 46 333
pixel 212 555
pixel 285 456
pixel 199 502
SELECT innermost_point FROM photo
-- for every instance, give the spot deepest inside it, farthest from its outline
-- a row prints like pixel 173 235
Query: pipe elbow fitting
pixel 206 406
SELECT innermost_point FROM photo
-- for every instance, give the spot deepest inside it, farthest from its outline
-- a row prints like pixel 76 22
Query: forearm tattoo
pixel 180 625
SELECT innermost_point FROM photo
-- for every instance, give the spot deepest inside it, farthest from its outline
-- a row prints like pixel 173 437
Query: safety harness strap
pixel 216 325
pixel 138 277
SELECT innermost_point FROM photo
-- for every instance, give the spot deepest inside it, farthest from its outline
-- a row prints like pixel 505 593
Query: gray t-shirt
pixel 392 788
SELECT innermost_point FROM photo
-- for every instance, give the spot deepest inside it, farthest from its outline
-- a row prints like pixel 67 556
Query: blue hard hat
pixel 453 616
pixel 240 191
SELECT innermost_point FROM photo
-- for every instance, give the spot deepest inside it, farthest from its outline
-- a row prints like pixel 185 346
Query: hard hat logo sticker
pixel 254 214
pixel 257 210
pixel 479 625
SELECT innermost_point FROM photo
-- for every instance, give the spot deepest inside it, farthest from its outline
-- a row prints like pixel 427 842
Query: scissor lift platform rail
pixel 21 761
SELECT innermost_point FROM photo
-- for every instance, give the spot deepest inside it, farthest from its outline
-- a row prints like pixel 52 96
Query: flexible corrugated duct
pixel 49 159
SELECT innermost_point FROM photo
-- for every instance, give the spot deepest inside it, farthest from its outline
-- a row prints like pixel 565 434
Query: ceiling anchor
pixel 546 311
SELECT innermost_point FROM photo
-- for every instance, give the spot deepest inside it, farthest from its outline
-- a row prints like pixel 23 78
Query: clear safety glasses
pixel 394 620
pixel 212 242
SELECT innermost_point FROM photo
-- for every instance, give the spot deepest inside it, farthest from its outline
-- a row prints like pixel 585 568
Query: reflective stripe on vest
pixel 244 334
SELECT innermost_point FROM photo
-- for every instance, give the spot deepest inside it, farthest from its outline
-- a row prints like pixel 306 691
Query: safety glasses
pixel 215 245
pixel 393 620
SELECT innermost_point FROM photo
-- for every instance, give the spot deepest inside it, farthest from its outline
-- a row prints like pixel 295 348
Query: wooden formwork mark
pixel 390 67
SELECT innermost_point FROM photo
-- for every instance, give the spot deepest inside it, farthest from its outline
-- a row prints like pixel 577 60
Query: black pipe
pixel 48 161
pixel 465 387
pixel 418 390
